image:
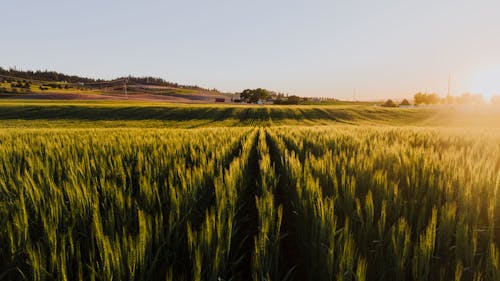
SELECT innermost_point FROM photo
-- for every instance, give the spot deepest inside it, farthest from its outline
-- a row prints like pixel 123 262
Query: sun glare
pixel 486 82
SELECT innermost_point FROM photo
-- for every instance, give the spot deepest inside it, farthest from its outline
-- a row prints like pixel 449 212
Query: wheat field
pixel 330 202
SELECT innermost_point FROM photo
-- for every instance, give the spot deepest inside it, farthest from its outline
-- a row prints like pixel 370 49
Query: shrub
pixel 389 103
pixel 405 102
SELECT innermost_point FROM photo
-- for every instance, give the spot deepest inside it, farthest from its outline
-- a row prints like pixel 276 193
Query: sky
pixel 363 50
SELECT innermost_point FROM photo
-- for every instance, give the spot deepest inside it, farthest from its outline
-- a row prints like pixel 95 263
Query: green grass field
pixel 35 88
pixel 141 191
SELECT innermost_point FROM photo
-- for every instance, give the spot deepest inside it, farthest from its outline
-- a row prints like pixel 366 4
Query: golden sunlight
pixel 486 82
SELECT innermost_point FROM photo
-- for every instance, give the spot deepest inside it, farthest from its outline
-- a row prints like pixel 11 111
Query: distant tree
pixel 255 95
pixel 418 98
pixel 293 100
pixel 433 98
pixel 468 98
pixel 405 102
pixel 424 98
pixel 389 103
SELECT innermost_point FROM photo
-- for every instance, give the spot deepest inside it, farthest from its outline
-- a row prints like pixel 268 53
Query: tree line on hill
pixel 45 75
pixel 52 76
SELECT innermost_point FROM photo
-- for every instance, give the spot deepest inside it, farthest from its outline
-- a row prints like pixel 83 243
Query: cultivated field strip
pixel 91 114
pixel 275 203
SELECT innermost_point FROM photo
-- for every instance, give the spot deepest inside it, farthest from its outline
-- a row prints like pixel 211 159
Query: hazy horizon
pixel 387 49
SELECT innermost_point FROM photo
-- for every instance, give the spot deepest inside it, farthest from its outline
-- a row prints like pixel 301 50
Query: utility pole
pixel 125 87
